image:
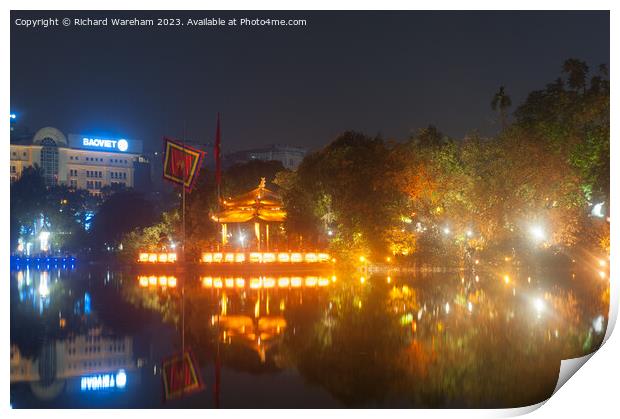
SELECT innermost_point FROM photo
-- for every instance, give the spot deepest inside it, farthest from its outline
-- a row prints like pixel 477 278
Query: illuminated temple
pixel 260 206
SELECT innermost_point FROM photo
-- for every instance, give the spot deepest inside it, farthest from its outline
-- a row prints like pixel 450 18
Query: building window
pixel 13 169
pixel 49 161
pixel 73 183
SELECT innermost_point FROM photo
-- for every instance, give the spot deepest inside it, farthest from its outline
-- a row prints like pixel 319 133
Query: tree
pixel 243 177
pixel 577 72
pixel 28 198
pixel 121 213
pixel 500 103
pixel 574 123
pixel 429 137
pixel 347 186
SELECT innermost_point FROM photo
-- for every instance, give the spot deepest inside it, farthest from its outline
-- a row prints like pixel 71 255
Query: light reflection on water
pixel 387 340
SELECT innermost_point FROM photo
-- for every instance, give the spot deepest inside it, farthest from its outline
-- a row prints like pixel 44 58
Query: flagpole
pixel 183 246
pixel 218 179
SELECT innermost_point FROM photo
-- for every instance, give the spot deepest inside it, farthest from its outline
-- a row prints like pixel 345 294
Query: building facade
pixel 289 156
pixel 80 161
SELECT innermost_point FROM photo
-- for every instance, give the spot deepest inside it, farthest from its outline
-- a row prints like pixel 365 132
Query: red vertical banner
pixel 218 152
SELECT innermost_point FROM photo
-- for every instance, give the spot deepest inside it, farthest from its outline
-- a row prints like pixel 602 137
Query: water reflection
pixel 444 340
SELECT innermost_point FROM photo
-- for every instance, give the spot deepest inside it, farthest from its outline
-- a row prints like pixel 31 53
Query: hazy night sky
pixel 376 72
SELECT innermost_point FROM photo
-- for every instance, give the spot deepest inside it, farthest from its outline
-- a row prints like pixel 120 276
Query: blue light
pixel 13 116
pixel 86 303
pixel 121 379
pixel 104 381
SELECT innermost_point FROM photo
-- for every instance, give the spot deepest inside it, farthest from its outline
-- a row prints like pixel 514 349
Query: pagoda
pixel 260 206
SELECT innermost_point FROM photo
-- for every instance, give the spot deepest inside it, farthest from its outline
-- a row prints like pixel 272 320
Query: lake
pixel 93 337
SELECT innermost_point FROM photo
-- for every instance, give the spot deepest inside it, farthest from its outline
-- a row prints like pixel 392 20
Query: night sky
pixel 376 72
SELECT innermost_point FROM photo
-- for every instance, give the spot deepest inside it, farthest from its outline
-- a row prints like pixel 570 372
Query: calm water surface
pixel 298 340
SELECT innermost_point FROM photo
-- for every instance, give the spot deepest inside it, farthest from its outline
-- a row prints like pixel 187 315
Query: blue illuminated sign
pixel 96 143
pixel 104 381
pixel 120 145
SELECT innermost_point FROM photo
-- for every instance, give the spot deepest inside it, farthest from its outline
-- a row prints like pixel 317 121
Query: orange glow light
pixel 162 257
pixel 152 257
pixel 255 283
pixel 284 257
pixel 207 257
pixel 172 257
pixel 207 282
pixel 240 282
pixel 296 281
pixel 240 257
pixel 256 257
pixel 311 281
pixel 172 281
pixel 311 257
pixel 269 282
pixel 230 282
pixel 144 257
pixel 153 280
pixel 283 282
pixel 269 257
pixel 229 257
pixel 217 282
pixel 144 281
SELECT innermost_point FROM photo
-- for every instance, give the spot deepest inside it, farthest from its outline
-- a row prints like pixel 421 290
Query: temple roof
pixel 258 204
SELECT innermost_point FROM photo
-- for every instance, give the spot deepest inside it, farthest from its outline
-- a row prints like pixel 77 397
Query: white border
pixel 592 392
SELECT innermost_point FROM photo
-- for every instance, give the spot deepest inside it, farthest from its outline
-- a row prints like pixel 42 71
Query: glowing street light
pixel 446 230
pixel 539 306
pixel 597 210
pixel 537 232
pixel 44 239
pixel 469 233
pixel 598 323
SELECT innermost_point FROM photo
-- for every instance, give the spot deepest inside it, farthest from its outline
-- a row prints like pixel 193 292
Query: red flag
pixel 181 375
pixel 181 163
pixel 218 151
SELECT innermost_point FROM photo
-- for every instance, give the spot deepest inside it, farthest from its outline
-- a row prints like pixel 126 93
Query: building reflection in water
pixel 72 351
